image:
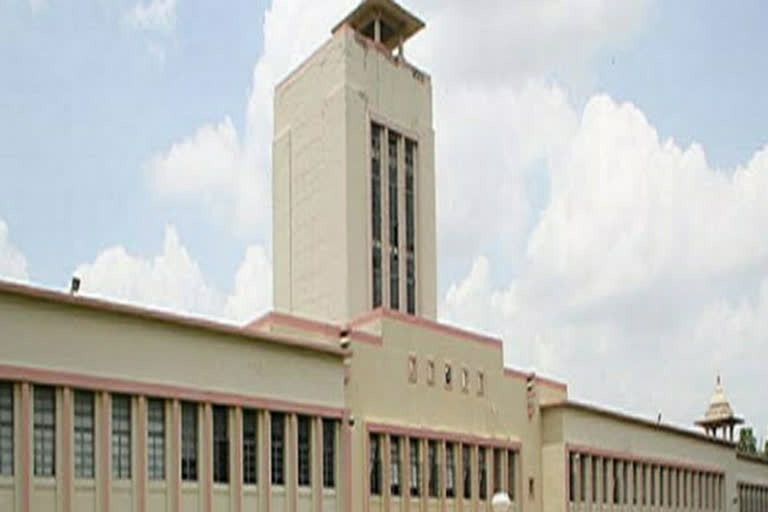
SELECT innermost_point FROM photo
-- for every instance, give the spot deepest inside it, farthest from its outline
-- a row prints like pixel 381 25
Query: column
pixel 175 463
pixel 236 460
pixel 459 474
pixel 265 454
pixel 317 464
pixel 67 466
pixel 292 467
pixel 140 487
pixel 442 472
pixel 104 481
pixel 207 469
pixel 405 478
pixel 26 447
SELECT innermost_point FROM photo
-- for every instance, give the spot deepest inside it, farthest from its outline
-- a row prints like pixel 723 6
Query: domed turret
pixel 719 414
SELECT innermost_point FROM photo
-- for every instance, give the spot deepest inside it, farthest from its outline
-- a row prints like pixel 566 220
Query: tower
pixel 353 174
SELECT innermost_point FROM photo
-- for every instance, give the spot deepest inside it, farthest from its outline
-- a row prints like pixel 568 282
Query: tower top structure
pixel 383 21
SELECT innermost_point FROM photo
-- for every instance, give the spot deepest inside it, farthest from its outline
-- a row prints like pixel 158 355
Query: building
pixel 350 396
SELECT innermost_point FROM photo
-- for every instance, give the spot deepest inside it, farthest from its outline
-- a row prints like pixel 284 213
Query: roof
pixel 166 317
pixel 719 410
pixel 621 416
pixel 402 23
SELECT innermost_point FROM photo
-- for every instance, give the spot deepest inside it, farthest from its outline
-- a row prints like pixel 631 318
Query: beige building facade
pixel 350 396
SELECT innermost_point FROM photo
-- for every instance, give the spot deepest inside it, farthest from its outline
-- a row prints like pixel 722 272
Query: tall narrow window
pixel 83 435
pixel 466 471
pixel 220 444
pixel 376 284
pixel 394 212
pixel 374 464
pixel 188 442
pixel 450 470
pixel 304 451
pixel 156 439
pixel 6 428
pixel 582 478
pixel 329 453
pixel 624 483
pixel 653 485
pixel 121 437
pixel 511 474
pixel 250 458
pixel 594 479
pixel 415 458
pixel 395 468
pixel 410 229
pixel 45 431
pixel 277 438
pixel 616 488
pixel 433 481
pixel 571 477
pixel 482 469
pixel 604 473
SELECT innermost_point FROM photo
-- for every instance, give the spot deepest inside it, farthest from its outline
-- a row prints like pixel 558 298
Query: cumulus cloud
pixel 173 280
pixel 13 264
pixel 154 15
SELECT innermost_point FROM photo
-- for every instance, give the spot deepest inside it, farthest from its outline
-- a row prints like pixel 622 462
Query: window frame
pixel 121 436
pixel 277 448
pixel 250 433
pixel 83 435
pixel 155 435
pixel 304 450
pixel 189 456
pixel 7 428
pixel 220 459
pixel 329 452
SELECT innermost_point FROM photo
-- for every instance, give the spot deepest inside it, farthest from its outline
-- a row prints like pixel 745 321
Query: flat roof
pixel 621 416
pixel 403 23
pixel 167 317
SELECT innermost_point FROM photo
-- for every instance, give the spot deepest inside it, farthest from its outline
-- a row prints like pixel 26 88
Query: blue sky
pixel 135 146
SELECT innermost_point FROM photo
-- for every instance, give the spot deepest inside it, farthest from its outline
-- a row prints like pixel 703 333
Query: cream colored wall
pixel 321 197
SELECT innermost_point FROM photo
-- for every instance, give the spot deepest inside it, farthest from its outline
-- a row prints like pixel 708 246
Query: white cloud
pixel 13 264
pixel 154 15
pixel 173 280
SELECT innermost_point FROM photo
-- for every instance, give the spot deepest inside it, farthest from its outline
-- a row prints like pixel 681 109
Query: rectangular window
pixel 645 484
pixel 605 480
pixel 374 464
pixel 329 453
pixel 83 435
pixel 450 470
pixel 662 474
pixel 395 468
pixel 410 228
pixel 394 279
pixel 582 477
pixel 188 441
pixel 304 427
pixel 277 437
pixel 45 431
pixel 394 212
pixel 653 485
pixel 571 477
pixel 6 428
pixel 616 487
pixel 415 459
pixel 156 439
pixel 624 482
pixel 483 471
pixel 121 437
pixel 376 214
pixel 433 478
pixel 497 462
pixel 594 479
pixel 220 444
pixel 511 475
pixel 466 464
pixel 250 457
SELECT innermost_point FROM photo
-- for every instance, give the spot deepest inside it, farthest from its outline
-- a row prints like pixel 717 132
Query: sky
pixel 602 174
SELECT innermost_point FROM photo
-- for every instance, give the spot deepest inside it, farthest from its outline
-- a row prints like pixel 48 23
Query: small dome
pixel 719 408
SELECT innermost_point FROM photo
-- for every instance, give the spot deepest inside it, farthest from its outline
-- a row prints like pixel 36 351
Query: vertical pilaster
pixel 141 453
pixel 66 449
pixel 442 479
pixel 265 434
pixel 423 462
pixel 405 478
pixel 175 462
pixel 236 468
pixel 292 465
pixel 345 483
pixel 458 459
pixel 207 447
pixel 317 464
pixel 105 471
pixel 26 447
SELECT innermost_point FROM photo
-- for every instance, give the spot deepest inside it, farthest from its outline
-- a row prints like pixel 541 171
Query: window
pixel 483 470
pixel 433 478
pixel 448 375
pixel 220 444
pixel 430 372
pixel 329 453
pixel 45 431
pixel 121 437
pixel 250 457
pixel 497 461
pixel 394 212
pixel 594 479
pixel 605 480
pixel 156 439
pixel 450 470
pixel 410 228
pixel 376 213
pixel 661 485
pixel 685 488
pixel 304 428
pixel 412 368
pixel 83 433
pixel 480 383
pixel 395 468
pixel 466 471
pixel 511 474
pixel 415 458
pixel 624 482
pixel 6 428
pixel 374 464
pixel 278 447
pixel 616 488
pixel 188 441
pixel 464 380
pixel 571 476
pixel 653 485
pixel 644 477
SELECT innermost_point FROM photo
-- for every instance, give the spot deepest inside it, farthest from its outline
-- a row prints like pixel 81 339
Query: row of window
pixel 442 468
pixel 605 479
pixel 44 439
pixel 394 146
pixel 752 498
pixel 465 376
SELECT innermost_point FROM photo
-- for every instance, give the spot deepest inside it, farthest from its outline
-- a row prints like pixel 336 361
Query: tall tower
pixel 353 174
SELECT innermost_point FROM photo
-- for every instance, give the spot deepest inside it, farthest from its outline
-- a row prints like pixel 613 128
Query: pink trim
pixel 317 465
pixel 176 454
pixel 165 317
pixel 428 324
pixel 323 329
pixel 66 448
pixel 551 383
pixel 26 470
pixel 346 470
pixel 208 457
pixel 293 474
pixel 105 471
pixel 266 476
pixel 515 374
pixel 444 435
pixel 141 454
pixel 116 385
pixel 633 457
pixel 237 466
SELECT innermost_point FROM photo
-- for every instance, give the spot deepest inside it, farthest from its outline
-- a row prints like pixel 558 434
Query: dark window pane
pixel 374 464
pixel 220 444
pixel 329 453
pixel 156 439
pixel 250 457
pixel 6 428
pixel 433 468
pixel 395 467
pixel 450 470
pixel 466 471
pixel 304 435
pixel 278 447
pixel 415 466
pixel 84 434
pixel 121 437
pixel 188 441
